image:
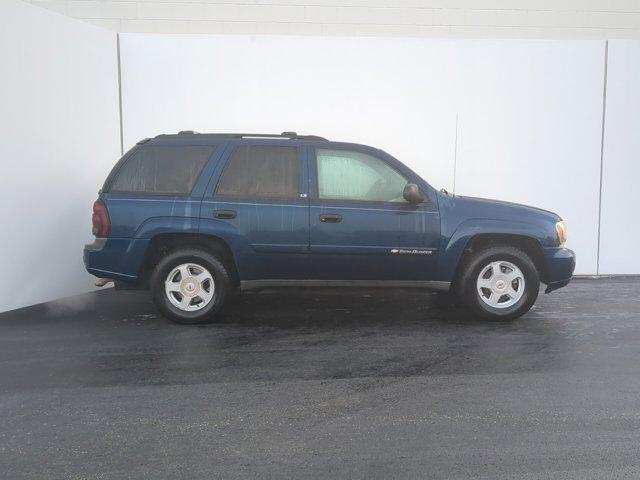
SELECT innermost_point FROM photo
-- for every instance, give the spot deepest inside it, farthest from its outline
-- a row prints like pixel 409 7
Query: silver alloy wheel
pixel 189 287
pixel 500 284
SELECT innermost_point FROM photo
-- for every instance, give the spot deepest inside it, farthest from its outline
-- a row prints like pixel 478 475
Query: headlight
pixel 561 230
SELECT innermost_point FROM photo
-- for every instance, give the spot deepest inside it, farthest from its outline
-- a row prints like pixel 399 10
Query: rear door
pixel 258 201
pixel 361 228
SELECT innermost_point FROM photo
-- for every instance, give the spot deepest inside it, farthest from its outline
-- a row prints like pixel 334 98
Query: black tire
pixel 481 259
pixel 198 257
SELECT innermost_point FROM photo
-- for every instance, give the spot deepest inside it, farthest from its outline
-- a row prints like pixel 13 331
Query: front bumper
pixel 560 264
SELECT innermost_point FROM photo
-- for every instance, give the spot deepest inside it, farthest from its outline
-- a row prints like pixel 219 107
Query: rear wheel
pixel 500 282
pixel 190 286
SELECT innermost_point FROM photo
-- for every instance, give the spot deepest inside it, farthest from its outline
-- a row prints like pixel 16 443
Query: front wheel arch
pixel 527 244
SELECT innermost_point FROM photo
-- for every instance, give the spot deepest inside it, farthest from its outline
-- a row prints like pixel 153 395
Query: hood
pixel 501 210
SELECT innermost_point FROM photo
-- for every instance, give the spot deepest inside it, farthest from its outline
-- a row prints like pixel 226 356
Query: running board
pixel 246 285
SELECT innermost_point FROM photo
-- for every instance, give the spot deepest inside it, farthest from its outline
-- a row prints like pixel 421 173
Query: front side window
pixel 261 172
pixel 346 175
pixel 169 170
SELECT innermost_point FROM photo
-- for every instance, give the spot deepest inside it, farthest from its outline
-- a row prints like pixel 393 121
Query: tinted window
pixel 168 170
pixel 260 171
pixel 344 175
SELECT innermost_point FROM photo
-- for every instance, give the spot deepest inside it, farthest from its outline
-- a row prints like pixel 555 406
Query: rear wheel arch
pixel 164 243
pixel 529 245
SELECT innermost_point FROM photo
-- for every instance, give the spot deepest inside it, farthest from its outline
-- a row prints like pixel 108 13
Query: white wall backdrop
pixel 391 93
pixel 529 112
pixel 620 223
pixel 59 124
pixel 531 128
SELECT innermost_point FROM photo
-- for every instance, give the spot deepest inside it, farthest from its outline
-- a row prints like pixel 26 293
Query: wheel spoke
pixel 484 283
pixel 497 268
pixel 173 286
pixel 185 302
pixel 491 269
pixel 493 299
pixel 184 272
pixel 203 277
pixel 203 298
pixel 207 293
pixel 492 272
pixel 512 275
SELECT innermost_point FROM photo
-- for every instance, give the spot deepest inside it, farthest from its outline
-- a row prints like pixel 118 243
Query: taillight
pixel 100 219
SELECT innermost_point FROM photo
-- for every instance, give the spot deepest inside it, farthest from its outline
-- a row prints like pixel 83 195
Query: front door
pixel 361 228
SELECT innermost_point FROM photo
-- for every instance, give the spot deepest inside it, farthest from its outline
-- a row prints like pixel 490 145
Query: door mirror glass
pixel 412 194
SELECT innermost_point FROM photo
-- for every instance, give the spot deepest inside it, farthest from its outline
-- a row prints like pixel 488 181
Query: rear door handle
pixel 330 218
pixel 224 214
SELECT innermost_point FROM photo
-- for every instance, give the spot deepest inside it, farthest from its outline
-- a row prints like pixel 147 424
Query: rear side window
pixel 162 170
pixel 261 172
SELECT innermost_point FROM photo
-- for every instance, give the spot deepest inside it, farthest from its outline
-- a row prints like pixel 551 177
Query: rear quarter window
pixel 169 170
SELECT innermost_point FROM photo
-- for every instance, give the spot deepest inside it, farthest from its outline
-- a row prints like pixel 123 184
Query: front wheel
pixel 189 286
pixel 500 282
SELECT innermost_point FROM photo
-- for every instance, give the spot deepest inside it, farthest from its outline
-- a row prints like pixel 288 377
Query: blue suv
pixel 194 216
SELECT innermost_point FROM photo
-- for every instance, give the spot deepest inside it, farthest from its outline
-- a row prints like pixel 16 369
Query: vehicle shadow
pixel 328 308
pixel 115 338
pixel 373 332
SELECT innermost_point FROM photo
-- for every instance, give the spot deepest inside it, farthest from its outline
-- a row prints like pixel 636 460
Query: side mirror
pixel 412 194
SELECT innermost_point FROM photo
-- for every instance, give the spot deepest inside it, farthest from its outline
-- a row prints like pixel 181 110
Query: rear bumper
pixel 116 258
pixel 560 265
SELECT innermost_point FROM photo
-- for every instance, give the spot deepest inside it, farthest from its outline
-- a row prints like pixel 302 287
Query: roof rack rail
pixel 290 135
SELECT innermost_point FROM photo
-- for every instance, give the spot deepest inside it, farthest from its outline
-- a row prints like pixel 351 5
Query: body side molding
pixel 440 286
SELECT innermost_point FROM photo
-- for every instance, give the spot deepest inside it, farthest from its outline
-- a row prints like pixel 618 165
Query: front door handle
pixel 224 214
pixel 330 218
